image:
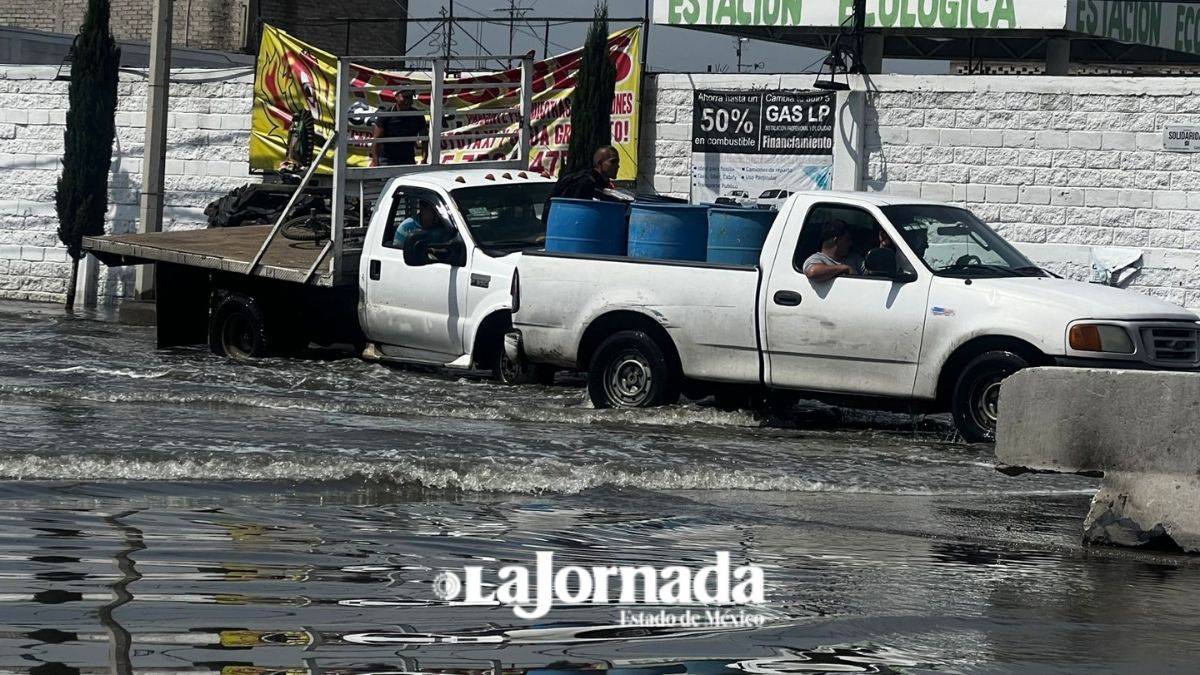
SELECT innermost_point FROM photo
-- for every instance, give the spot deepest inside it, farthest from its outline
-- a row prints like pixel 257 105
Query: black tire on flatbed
pixel 238 328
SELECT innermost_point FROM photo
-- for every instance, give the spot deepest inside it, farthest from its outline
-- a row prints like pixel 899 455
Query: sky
pixel 671 49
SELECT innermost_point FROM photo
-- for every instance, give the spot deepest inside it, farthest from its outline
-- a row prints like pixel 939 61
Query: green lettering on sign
pixel 1112 27
pixel 979 19
pixel 745 18
pixel 888 11
pixel 1004 11
pixel 791 12
pixel 949 13
pixel 927 12
pixel 1151 22
pixel 683 11
pixel 770 12
pixel 725 13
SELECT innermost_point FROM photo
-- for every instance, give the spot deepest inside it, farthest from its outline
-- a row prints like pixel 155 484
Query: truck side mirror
pixel 453 254
pixel 416 250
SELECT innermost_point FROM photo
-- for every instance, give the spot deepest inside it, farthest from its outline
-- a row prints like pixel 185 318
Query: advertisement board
pixel 1167 25
pixel 748 146
pixel 934 14
pixel 292 75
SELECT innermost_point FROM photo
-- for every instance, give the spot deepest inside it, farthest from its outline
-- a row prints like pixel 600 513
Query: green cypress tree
pixel 82 195
pixel 591 102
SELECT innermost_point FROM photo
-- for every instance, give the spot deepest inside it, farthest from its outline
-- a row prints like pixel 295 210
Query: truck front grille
pixel 1172 346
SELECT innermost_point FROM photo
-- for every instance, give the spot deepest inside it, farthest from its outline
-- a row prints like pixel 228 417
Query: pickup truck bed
pixel 226 249
pixel 703 307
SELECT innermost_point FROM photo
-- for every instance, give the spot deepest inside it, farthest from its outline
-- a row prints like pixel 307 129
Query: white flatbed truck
pixel 249 292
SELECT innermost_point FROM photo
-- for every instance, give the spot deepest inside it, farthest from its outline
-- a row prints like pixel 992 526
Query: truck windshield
pixel 505 218
pixel 954 242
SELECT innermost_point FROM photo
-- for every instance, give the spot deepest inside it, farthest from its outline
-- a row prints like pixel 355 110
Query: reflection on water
pixel 177 513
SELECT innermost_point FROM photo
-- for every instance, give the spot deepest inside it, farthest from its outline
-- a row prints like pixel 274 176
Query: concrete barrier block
pixel 1139 429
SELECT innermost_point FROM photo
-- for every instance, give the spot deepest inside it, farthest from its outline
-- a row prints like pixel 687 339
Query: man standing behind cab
pixel 591 183
pixel 398 153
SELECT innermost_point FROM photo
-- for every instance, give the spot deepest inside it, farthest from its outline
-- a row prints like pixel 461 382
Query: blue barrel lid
pixel 666 206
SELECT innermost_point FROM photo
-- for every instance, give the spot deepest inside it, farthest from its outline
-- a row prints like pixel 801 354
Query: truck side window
pixel 862 225
pixel 407 205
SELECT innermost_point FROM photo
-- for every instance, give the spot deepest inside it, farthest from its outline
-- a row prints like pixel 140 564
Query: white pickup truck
pixel 936 326
pixel 449 305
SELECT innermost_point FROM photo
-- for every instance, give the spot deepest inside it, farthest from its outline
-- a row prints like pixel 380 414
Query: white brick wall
pixel 1057 165
pixel 1065 164
pixel 203 162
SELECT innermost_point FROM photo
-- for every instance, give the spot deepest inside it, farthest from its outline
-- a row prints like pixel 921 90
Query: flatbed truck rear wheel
pixel 238 328
pixel 630 370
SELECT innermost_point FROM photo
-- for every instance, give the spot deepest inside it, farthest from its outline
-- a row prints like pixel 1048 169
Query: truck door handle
pixel 786 298
pixel 375 268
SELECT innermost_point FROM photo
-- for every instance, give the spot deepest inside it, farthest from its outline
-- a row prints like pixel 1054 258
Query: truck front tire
pixel 630 370
pixel 238 329
pixel 976 395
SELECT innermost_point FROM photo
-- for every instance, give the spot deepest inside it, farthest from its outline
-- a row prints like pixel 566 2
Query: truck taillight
pixel 515 291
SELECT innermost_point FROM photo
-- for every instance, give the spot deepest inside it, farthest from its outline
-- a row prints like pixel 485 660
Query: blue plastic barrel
pixel 668 231
pixel 586 226
pixel 736 235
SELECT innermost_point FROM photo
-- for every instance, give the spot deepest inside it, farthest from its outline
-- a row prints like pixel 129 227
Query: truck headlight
pixel 1100 337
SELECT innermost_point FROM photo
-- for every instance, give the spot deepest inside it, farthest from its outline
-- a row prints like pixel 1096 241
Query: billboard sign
pixel 904 14
pixel 750 145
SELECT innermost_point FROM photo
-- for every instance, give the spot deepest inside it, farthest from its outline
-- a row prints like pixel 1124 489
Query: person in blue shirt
pixel 427 220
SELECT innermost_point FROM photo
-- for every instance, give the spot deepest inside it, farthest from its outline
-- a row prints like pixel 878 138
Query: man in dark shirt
pixel 398 153
pixel 590 183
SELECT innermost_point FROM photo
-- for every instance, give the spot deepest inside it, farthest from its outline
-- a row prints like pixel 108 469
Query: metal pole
pixel 512 15
pixel 154 158
pixel 433 154
pixel 645 50
pixel 546 42
pixel 856 59
pixel 341 156
pixel 525 136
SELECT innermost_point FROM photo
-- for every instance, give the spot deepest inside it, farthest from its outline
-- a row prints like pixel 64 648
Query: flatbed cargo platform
pixel 227 249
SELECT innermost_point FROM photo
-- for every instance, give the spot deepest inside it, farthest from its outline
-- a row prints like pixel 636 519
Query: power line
pixel 486 19
pixel 513 10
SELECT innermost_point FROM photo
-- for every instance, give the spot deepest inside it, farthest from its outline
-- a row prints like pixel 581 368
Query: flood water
pixel 174 512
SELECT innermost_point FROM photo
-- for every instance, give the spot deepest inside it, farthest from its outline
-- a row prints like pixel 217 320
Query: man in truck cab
pixel 836 257
pixel 590 183
pixel 427 221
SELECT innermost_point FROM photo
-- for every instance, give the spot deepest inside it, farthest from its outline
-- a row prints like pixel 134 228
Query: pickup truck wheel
pixel 977 393
pixel 238 329
pixel 629 370
pixel 513 372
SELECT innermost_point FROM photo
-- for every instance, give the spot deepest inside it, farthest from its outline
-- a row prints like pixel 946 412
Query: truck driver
pixel 427 221
pixel 835 258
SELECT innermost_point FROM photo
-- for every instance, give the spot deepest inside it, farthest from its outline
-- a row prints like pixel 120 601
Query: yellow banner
pixel 292 76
